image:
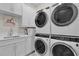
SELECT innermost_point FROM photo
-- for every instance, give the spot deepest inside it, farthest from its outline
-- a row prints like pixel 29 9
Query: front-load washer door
pixel 62 50
pixel 41 19
pixel 40 47
pixel 64 14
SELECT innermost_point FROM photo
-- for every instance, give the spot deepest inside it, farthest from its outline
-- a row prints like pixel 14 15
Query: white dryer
pixel 65 19
pixel 62 45
pixel 41 45
pixel 42 21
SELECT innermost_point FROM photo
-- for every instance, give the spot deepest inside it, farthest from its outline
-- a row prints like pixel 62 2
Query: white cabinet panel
pixel 11 8
pixel 30 44
pixel 6 6
pixel 20 48
pixel 18 8
pixel 7 50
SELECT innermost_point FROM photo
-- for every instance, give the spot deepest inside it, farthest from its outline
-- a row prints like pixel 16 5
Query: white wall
pixel 38 6
pixel 28 16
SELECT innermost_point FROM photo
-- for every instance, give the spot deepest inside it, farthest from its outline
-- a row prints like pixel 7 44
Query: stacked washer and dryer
pixel 65 30
pixel 42 22
pixel 57 30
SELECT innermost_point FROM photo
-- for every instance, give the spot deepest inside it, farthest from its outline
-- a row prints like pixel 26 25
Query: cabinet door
pixel 20 48
pixel 6 6
pixel 12 7
pixel 8 50
pixel 29 44
pixel 18 8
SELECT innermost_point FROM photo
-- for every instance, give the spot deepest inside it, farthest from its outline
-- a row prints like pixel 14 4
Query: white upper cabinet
pixel 11 8
pixel 18 8
pixel 28 16
pixel 6 6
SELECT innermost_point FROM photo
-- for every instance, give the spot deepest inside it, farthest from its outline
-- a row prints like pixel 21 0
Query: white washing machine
pixel 42 21
pixel 62 45
pixel 41 45
pixel 65 19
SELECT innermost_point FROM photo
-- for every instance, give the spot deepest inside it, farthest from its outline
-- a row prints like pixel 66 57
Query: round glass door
pixel 62 50
pixel 40 47
pixel 41 19
pixel 64 14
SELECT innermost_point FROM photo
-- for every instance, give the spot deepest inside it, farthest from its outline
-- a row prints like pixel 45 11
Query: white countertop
pixel 11 37
pixel 12 40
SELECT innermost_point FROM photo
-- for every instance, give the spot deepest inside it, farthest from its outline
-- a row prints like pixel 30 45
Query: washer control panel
pixel 42 35
pixel 65 37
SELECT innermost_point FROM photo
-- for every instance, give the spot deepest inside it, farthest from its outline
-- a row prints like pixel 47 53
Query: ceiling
pixel 38 6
